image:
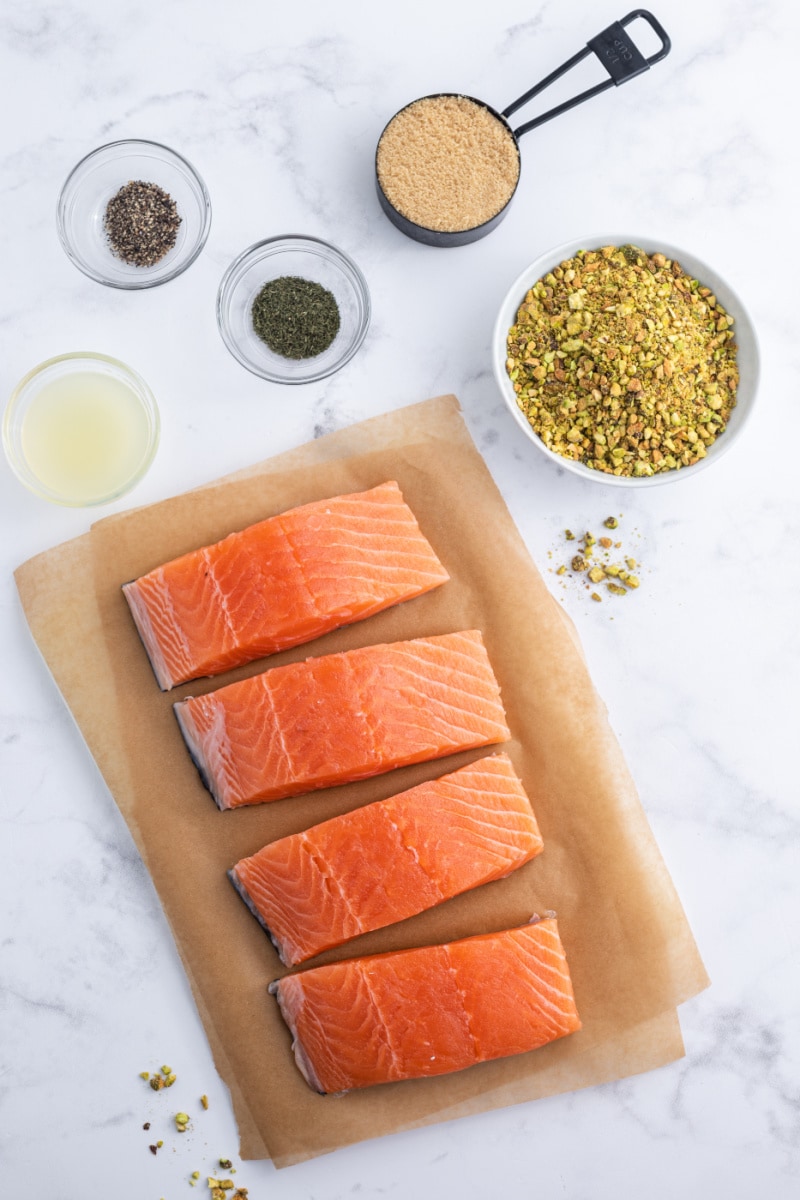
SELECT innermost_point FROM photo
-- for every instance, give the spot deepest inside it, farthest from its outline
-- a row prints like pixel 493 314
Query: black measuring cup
pixel 618 54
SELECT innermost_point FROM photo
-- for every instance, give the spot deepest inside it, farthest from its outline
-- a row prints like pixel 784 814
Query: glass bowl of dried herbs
pixel 133 214
pixel 293 309
pixel 627 361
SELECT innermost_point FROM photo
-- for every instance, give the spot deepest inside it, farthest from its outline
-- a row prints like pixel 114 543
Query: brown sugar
pixel 447 163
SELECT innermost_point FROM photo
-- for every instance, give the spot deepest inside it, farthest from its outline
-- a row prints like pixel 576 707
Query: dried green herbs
pixel 141 223
pixel 621 361
pixel 297 318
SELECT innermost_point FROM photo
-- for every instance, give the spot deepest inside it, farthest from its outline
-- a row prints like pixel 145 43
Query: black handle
pixel 618 54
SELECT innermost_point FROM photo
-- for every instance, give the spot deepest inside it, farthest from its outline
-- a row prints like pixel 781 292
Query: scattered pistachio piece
pixel 144 1075
pixel 204 1101
pixel 579 563
pixel 597 574
pixel 569 535
pixel 166 1070
pixel 596 597
pixel 616 589
pixel 225 1163
pixel 159 1144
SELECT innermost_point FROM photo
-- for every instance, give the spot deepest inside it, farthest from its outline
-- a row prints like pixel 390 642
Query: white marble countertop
pixel 279 106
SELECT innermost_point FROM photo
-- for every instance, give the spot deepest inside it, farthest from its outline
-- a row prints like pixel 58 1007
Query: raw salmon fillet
pixel 343 717
pixel 428 1011
pixel 281 582
pixel 390 859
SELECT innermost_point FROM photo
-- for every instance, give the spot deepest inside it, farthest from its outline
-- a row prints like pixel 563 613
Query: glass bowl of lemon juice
pixel 81 429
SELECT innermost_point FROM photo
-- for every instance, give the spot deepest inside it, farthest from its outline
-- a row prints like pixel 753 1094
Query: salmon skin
pixel 390 859
pixel 343 717
pixel 280 583
pixel 415 1013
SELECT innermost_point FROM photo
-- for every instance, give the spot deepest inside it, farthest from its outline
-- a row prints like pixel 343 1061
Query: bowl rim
pixel 545 262
pixel 287 241
pixel 139 282
pixel 144 393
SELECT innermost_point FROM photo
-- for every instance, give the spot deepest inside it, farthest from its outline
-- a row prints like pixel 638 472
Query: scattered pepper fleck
pixel 154 1149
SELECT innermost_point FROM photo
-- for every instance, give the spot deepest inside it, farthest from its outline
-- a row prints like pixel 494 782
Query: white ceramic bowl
pixel 744 333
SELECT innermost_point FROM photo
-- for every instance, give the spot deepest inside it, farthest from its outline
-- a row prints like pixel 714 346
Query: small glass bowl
pixel 308 258
pixel 99 176
pixel 745 337
pixel 105 450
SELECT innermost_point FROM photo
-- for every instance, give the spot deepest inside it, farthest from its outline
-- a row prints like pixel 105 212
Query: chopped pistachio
pixel 569 535
pixel 597 574
pixel 605 542
pixel 159 1144
pixel 225 1163
pixel 638 358
pixel 195 1174
pixel 632 581
pixel 204 1100
pixel 616 589
pixel 144 1075
pixel 166 1070
pixel 579 563
pixel 596 597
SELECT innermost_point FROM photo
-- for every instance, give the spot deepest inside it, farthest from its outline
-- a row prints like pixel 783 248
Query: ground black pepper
pixel 297 318
pixel 141 223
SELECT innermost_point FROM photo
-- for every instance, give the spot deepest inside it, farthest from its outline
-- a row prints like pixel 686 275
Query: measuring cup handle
pixel 616 51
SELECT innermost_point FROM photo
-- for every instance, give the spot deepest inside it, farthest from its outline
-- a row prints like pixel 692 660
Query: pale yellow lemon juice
pixel 81 429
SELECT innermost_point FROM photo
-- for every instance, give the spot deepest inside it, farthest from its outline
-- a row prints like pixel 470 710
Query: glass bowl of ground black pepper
pixel 626 360
pixel 133 214
pixel 293 309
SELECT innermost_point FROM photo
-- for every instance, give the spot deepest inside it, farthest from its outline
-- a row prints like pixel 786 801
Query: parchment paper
pixel 630 949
